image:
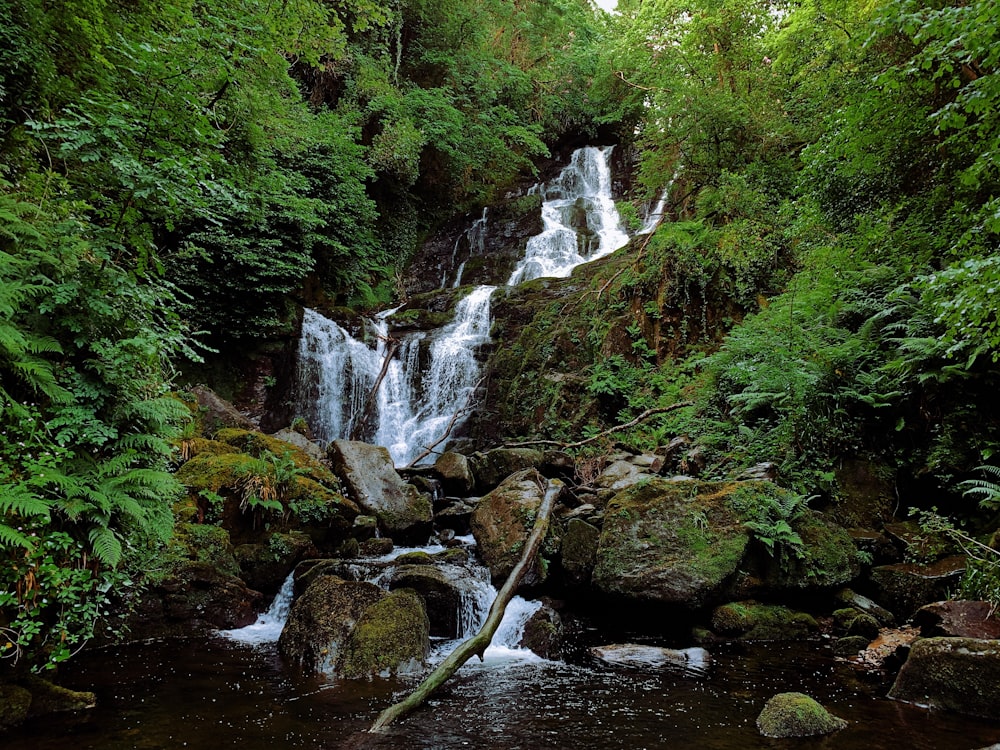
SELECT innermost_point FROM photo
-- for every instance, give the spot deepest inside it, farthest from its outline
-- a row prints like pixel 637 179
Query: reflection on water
pixel 208 694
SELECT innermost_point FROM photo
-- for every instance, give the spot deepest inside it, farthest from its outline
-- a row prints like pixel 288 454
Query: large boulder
pixel 905 587
pixel 371 479
pixel 391 637
pixel 619 475
pixel 670 542
pixel 455 473
pixel 958 619
pixel 446 590
pixel 503 520
pixel 493 467
pixel 322 619
pixel 826 559
pixel 958 674
pixel 796 715
pixel 578 551
pixel 215 413
pixel 753 621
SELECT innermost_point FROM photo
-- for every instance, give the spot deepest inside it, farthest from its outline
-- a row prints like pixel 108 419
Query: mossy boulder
pixel 670 542
pixel 493 467
pixel 578 552
pixel 544 633
pixel 258 444
pixel 368 473
pixel 49 698
pixel 264 566
pixel 753 621
pixel 455 473
pixel 905 587
pixel 796 715
pixel 826 559
pixel 14 704
pixel 391 637
pixel 321 621
pixel 502 521
pixel 957 674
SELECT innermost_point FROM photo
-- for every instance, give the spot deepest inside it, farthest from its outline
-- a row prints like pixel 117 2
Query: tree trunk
pixel 477 644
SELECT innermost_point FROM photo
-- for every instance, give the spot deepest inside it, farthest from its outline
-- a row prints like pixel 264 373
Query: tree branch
pixel 477 644
pixel 610 431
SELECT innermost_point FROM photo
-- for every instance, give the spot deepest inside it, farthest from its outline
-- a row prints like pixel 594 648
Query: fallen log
pixel 477 644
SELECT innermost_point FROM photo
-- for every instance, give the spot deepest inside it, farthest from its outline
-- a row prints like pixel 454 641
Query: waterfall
pixel 268 627
pixel 579 218
pixel 416 401
pixel 431 377
pixel 656 215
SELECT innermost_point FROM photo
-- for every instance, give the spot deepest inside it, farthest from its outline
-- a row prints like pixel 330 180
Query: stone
pixel 796 715
pixel 457 516
pixel 48 698
pixel 14 704
pixel 668 542
pixel 695 660
pixel 864 604
pixel 493 467
pixel 455 472
pixel 502 522
pixel 956 674
pixel 557 465
pixel 368 473
pixel 441 588
pixel 578 552
pixel 767 471
pixel 827 558
pixel 619 475
pixel 321 620
pixel 850 645
pixel 905 587
pixel 301 442
pixel 753 621
pixel 958 619
pixel 215 413
pixel 265 566
pixel 376 547
pixel 543 633
pixel 391 637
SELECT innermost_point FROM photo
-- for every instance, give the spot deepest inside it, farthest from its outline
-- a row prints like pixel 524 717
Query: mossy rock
pixel 670 542
pixel 752 621
pixel 213 472
pixel 257 444
pixel 502 521
pixel 49 698
pixel 204 543
pixel 955 674
pixel 14 704
pixel 321 621
pixel 199 446
pixel 796 715
pixel 417 557
pixel 579 551
pixel 392 637
pixel 493 467
pixel 906 587
pixel 828 557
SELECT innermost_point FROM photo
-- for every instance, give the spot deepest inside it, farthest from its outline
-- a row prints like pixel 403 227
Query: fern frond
pixel 17 500
pixel 105 545
pixel 11 537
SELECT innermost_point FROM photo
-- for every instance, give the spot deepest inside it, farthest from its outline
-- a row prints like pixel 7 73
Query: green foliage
pixel 768 512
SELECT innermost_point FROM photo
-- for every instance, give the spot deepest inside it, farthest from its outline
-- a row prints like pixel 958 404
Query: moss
pixel 418 557
pixel 14 704
pixel 257 444
pixel 213 472
pixel 204 543
pixel 796 715
pixel 751 621
pixel 392 636
pixel 47 698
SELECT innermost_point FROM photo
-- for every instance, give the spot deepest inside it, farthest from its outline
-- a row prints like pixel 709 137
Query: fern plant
pixel 986 489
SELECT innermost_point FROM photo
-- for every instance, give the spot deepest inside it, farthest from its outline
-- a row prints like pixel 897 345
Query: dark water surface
pixel 209 694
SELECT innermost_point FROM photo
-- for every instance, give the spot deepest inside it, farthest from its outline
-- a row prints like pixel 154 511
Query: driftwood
pixel 610 431
pixel 477 644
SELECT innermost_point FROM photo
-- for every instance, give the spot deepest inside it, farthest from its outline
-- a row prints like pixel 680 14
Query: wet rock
pixel 827 558
pixel 766 471
pixel 889 650
pixel 368 473
pixel 753 621
pixel 493 467
pixel 958 619
pixel 670 542
pixel 265 566
pixel 455 472
pixel 215 413
pixel 376 547
pixel 957 674
pixel 850 645
pixel 796 715
pixel 321 620
pixel 392 636
pixel 502 522
pixel 579 551
pixel 619 475
pixel 861 603
pixel 457 517
pixel 905 587
pixel 14 704
pixel 695 659
pixel 48 698
pixel 364 528
pixel 310 570
pixel 543 633
pixel 301 442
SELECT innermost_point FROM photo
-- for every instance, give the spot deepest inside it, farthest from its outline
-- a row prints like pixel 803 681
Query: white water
pixel 656 215
pixel 579 217
pixel 269 625
pixel 432 377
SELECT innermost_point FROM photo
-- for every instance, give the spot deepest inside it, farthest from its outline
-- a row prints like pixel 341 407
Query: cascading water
pixel 579 217
pixel 268 627
pixel 431 377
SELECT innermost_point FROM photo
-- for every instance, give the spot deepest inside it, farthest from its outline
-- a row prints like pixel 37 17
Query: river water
pixel 210 693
